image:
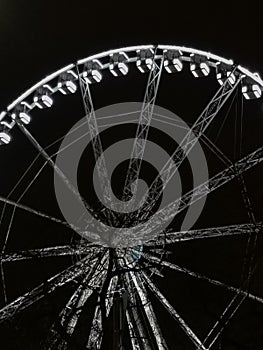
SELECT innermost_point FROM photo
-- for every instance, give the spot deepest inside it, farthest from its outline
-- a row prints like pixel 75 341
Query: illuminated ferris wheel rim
pixel 129 54
pixel 91 269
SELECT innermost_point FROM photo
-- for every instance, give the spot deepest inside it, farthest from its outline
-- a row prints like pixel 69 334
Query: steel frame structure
pixel 104 271
pixel 130 186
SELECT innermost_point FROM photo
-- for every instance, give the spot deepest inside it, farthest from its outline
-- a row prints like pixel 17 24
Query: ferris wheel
pixel 120 211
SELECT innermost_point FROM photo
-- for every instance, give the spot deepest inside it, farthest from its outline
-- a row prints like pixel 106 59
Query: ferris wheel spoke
pixel 190 273
pixel 139 337
pixel 96 332
pixel 224 319
pixel 188 331
pixel 131 183
pixel 61 138
pixel 48 252
pixel 133 332
pixel 61 331
pixel 230 310
pixel 96 141
pixel 44 289
pixel 140 288
pixel 56 169
pixel 188 142
pixel 33 211
pixel 223 231
pixel 171 210
pixel 204 138
pixel 25 173
pixel 86 133
pixel 137 329
pixel 18 200
pixel 14 208
pixel 92 283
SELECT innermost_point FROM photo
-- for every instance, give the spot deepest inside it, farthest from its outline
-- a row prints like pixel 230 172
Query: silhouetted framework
pixel 140 140
pixel 118 283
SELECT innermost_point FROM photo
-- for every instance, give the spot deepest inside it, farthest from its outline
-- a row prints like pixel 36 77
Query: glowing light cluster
pixel 42 97
pixel 198 66
pixel 92 72
pixel 5 138
pixel 66 83
pixel 251 91
pixel 145 60
pixel 172 61
pixel 117 61
pixel 118 64
pixel 225 72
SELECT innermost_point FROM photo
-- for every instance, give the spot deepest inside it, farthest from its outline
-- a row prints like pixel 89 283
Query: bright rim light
pixel 25 118
pixel 5 123
pixel 193 70
pixel 71 86
pixel 143 55
pixel 205 68
pixel 231 77
pixel 4 137
pixel 60 88
pixel 95 75
pixel 25 104
pixel 72 73
pixel 48 87
pixel 36 100
pixel 149 63
pixel 219 78
pixel 257 91
pixel 2 115
pixel 112 70
pixel 123 68
pixel 139 66
pixel 251 91
pixel 98 63
pixel 47 100
pixel 67 86
pixel 166 66
pixel 176 63
pixel 184 50
pixel 43 101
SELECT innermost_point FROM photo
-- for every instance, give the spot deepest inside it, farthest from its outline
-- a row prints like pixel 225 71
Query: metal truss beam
pixel 157 222
pixel 92 282
pixel 44 289
pixel 130 187
pixel 140 288
pixel 223 231
pixel 191 335
pixel 96 142
pixel 139 337
pixel 96 332
pixel 48 252
pixel 188 142
pixel 225 317
pixel 61 331
pixel 132 332
pixel 229 311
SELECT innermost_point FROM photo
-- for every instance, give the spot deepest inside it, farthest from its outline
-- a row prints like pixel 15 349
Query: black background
pixel 39 37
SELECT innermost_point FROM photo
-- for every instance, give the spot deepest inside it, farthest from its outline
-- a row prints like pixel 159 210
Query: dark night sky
pixel 39 37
